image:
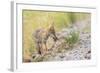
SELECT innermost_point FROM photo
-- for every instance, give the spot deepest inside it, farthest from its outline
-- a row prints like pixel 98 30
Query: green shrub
pixel 72 38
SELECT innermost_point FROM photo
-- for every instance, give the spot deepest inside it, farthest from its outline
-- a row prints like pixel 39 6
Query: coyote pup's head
pixel 52 32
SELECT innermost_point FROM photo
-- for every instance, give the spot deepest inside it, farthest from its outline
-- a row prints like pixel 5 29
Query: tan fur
pixel 41 37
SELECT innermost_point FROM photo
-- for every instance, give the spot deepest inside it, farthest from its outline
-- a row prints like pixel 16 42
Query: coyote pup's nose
pixel 55 39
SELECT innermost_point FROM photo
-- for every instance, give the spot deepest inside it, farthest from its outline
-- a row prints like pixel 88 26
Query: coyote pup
pixel 41 36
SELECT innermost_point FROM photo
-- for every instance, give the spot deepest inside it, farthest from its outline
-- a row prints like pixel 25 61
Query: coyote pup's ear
pixel 51 28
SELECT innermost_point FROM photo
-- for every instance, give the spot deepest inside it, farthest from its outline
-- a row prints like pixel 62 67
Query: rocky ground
pixel 81 51
pixel 60 51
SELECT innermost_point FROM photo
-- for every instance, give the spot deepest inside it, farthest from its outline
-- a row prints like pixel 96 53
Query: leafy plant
pixel 72 38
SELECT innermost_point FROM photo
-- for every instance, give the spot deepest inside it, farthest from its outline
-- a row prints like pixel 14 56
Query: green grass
pixel 72 38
